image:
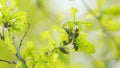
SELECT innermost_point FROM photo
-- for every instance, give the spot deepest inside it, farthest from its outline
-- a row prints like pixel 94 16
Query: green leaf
pixel 70 25
pixel 27 52
pixel 84 24
pixel 84 45
pixel 18 15
pixel 18 20
pixel 8 41
pixel 5 14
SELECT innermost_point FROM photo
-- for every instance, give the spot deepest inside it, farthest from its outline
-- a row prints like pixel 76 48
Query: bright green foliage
pixel 59 53
pixel 49 57
pixel 43 58
pixel 11 17
pixel 84 45
pixel 62 43
pixel 80 42
pixel 18 19
pixel 10 45
pixel 69 24
pixel 73 36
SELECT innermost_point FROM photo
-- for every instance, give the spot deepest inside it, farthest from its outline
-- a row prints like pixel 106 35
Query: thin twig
pixel 6 61
pixel 105 30
pixel 21 59
pixel 24 36
pixel 2 35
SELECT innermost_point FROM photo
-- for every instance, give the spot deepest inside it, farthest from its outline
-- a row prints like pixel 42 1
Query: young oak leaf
pixel 84 45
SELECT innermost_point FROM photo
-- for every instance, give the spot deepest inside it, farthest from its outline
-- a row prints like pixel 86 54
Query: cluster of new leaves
pixel 11 17
pixel 73 34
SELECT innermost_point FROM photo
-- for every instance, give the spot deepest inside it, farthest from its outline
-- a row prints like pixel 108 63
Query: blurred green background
pixel 45 15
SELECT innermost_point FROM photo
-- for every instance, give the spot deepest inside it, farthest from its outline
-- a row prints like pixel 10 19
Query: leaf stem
pixel 6 61
pixel 21 41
